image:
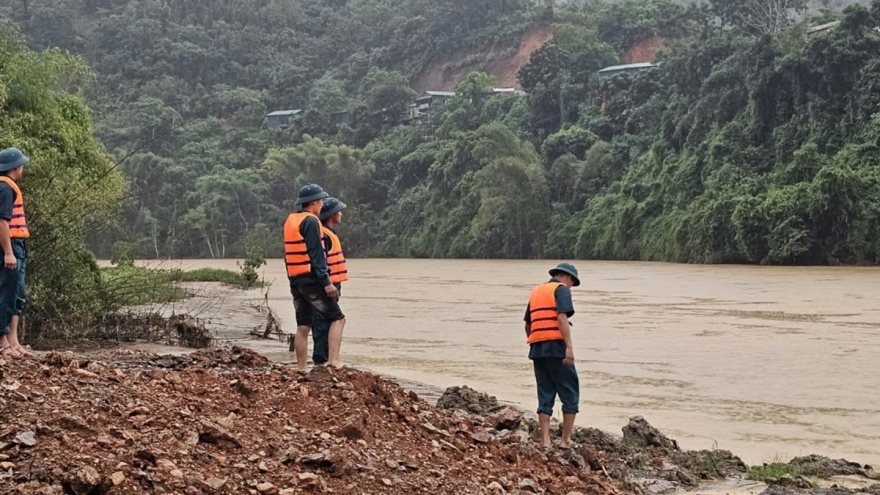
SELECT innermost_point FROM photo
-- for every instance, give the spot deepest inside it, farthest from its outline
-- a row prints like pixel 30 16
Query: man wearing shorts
pixel 13 232
pixel 331 216
pixel 306 262
pixel 549 337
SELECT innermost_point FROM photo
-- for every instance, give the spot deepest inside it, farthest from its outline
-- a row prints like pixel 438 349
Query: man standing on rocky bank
pixel 549 337
pixel 331 216
pixel 13 232
pixel 310 285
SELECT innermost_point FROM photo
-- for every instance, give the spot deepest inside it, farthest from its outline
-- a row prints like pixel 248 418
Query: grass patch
pixel 227 277
pixel 773 471
pixel 134 286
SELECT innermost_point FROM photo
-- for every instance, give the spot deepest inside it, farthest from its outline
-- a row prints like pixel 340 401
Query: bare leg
pixel 567 427
pixel 544 429
pixel 301 344
pixel 13 338
pixel 336 342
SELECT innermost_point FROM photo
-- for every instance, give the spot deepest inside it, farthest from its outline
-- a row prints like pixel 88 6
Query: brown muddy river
pixel 767 362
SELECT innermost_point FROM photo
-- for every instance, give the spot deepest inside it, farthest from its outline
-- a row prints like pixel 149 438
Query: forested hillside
pixel 751 141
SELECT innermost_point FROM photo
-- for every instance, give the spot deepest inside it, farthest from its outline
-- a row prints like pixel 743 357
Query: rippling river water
pixel 763 361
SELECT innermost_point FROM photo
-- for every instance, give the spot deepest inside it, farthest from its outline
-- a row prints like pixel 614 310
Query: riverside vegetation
pixel 749 143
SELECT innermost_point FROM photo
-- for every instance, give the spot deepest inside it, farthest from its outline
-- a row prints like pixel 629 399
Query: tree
pixel 759 17
pixel 341 170
pixel 329 95
pixel 71 185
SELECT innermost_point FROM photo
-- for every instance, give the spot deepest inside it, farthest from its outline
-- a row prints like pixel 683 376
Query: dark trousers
pixel 553 378
pixel 12 294
pixel 321 336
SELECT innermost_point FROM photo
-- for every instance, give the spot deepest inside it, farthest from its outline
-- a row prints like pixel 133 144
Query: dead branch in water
pixel 272 323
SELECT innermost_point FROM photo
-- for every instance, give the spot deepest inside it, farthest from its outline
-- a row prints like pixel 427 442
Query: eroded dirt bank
pixel 229 421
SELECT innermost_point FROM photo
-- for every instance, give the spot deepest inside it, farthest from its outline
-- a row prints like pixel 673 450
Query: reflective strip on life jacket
pixel 296 254
pixel 18 228
pixel 335 257
pixel 543 315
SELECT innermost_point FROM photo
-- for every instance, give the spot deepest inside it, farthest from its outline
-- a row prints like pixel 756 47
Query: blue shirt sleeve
pixel 563 301
pixel 328 243
pixel 527 319
pixel 7 198
pixel 311 233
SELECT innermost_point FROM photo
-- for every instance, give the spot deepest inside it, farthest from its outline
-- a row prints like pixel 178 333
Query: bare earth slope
pixel 502 64
pixel 227 421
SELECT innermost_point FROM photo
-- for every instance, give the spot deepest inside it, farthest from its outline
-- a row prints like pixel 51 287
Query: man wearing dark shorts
pixel 549 336
pixel 331 216
pixel 306 262
pixel 13 232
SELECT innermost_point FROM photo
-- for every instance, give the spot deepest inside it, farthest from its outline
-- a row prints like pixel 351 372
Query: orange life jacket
pixel 335 257
pixel 543 315
pixel 296 254
pixel 18 228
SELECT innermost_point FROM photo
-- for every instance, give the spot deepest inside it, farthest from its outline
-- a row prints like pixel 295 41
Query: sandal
pixel 24 350
pixel 10 352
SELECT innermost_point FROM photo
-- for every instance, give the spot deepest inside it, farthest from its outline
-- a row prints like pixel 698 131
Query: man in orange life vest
pixel 549 337
pixel 13 232
pixel 306 261
pixel 331 216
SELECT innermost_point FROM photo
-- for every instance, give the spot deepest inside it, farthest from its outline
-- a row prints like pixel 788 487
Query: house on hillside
pixel 341 117
pixel 609 72
pixel 280 119
pixel 506 91
pixel 423 104
pixel 411 113
pixel 431 99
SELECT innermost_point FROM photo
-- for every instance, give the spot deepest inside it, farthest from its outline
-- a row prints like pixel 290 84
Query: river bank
pixel 768 362
pixel 227 420
pixel 234 317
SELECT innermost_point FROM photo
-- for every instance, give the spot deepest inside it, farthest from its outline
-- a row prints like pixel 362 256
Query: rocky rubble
pixel 824 467
pixel 832 490
pixel 226 421
pixel 467 399
pixel 642 460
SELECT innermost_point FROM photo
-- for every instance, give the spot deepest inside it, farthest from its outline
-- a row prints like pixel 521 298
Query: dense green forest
pixel 751 141
pixel 71 185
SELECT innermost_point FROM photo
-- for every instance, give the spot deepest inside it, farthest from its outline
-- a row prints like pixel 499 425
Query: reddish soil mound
pixel 226 421
pixel 503 64
pixel 643 52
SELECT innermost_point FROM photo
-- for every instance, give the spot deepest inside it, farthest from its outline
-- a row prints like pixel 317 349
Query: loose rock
pixel 216 483
pixel 467 399
pixel 506 419
pixel 528 485
pixel 26 439
pixel 117 478
pixel 639 433
pixel 85 480
pixel 267 489
pixel 481 437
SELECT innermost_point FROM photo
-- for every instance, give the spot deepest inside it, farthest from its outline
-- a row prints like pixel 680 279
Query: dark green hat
pixel 569 269
pixel 331 207
pixel 11 158
pixel 309 193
